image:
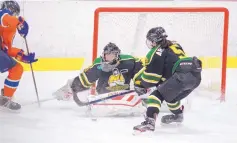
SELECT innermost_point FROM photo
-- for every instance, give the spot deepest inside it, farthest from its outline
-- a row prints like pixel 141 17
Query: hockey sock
pixel 176 107
pixel 154 104
pixel 12 81
pixel 152 112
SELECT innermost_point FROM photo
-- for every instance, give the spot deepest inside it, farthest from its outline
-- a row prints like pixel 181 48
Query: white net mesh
pixel 199 33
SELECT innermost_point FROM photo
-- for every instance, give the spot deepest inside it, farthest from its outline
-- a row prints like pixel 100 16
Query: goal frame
pixel 170 9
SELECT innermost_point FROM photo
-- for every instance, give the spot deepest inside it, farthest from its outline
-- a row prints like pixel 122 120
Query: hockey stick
pixel 41 101
pixel 36 90
pixel 80 103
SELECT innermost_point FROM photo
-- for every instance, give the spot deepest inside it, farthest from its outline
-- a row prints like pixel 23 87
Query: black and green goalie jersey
pixel 117 79
pixel 160 65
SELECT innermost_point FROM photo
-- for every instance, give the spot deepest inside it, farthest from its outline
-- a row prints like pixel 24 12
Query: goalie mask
pixel 110 57
pixel 12 6
pixel 156 37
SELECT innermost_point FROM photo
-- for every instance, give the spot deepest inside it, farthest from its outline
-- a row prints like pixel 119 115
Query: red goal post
pixel 224 38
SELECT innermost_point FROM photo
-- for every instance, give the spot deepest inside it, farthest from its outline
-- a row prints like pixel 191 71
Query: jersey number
pixel 178 51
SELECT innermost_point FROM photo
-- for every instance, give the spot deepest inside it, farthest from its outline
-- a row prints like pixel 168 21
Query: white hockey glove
pixel 65 92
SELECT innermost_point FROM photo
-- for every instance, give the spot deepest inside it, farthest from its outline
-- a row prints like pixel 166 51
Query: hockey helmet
pixel 12 6
pixel 155 37
pixel 110 48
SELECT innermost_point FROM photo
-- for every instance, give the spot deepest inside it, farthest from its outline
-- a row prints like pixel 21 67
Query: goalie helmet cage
pixel 99 12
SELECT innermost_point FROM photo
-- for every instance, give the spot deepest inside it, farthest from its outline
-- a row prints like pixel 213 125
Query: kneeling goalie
pixel 113 72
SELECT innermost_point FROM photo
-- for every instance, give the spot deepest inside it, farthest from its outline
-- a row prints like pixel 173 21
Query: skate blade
pixel 136 132
pixel 7 110
pixel 142 132
pixel 172 125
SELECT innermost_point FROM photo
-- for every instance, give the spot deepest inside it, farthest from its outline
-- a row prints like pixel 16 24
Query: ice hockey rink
pixel 206 119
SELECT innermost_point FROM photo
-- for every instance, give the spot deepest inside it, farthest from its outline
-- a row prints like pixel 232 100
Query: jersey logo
pixel 117 81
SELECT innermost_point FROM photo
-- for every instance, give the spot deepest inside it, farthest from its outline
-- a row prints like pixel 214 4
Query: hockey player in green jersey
pixel 174 74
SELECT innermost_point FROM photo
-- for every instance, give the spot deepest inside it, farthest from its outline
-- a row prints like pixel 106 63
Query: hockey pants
pixel 173 90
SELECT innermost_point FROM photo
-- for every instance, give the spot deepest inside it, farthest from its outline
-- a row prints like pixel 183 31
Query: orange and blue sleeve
pixel 10 24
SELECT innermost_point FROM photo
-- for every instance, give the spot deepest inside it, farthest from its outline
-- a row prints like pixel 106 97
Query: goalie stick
pixel 81 103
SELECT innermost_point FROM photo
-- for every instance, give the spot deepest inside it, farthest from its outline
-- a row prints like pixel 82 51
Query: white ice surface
pixel 63 122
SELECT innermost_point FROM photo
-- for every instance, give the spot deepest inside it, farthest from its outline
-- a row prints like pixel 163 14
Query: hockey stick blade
pixel 80 103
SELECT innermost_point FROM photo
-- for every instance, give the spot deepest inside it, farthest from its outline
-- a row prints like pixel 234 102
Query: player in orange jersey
pixel 10 22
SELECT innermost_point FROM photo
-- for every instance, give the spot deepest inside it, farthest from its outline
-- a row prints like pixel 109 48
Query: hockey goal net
pixel 201 31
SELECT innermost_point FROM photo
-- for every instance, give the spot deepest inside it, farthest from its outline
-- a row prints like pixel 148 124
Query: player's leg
pixel 182 85
pixel 172 91
pixel 11 83
pixel 176 109
pixel 154 102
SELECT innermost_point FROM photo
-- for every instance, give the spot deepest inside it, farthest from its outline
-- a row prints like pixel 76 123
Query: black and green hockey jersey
pixel 160 65
pixel 117 79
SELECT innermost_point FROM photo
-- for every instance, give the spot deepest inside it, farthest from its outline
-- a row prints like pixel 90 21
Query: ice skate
pixel 172 119
pixel 6 102
pixel 147 125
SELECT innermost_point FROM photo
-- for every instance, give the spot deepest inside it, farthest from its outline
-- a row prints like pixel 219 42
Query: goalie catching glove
pixel 65 93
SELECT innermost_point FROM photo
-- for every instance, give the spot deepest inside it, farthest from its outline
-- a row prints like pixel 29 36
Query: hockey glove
pixel 64 93
pixel 140 90
pixel 26 58
pixel 23 27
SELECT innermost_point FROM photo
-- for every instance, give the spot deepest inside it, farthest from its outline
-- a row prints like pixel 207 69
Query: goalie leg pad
pixel 124 105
